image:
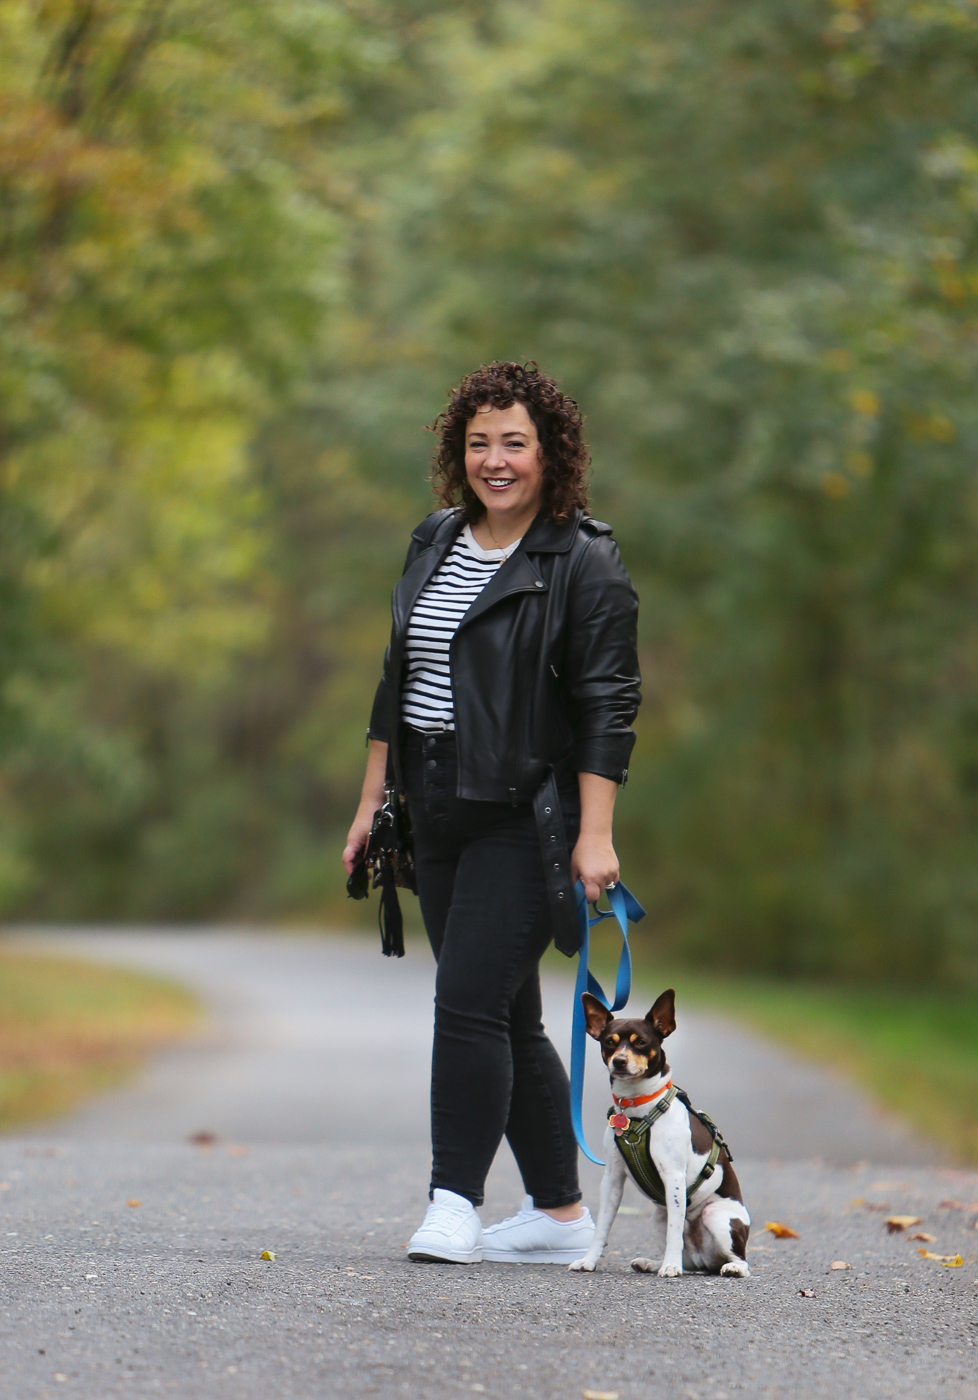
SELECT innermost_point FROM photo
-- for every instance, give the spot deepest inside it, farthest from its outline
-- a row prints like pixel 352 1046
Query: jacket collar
pixel 547 536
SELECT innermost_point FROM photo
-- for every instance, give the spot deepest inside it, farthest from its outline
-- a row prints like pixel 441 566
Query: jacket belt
pixel 556 866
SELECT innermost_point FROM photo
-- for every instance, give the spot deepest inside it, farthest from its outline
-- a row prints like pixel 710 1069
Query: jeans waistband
pixel 427 738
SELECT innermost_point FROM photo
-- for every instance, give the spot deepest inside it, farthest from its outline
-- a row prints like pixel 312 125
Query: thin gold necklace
pixel 493 537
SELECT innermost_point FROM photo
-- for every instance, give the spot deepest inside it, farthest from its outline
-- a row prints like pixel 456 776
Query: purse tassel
pixel 389 915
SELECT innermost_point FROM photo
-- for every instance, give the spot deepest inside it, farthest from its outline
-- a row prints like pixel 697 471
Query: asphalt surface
pixel 132 1257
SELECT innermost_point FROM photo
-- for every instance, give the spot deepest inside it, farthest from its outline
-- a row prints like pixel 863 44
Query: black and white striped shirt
pixel 426 701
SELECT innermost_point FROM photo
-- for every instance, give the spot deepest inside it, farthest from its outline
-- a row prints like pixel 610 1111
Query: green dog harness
pixel 633 1144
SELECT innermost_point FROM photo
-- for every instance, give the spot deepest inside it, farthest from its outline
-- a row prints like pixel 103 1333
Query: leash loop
pixel 625 908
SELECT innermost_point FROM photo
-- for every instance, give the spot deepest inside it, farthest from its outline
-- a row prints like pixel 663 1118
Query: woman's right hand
pixel 371 798
pixel 356 839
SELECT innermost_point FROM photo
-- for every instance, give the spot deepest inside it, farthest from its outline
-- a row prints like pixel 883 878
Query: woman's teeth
pixel 498 482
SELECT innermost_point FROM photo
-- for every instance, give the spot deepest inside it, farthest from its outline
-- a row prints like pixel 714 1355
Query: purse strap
pixel 625 908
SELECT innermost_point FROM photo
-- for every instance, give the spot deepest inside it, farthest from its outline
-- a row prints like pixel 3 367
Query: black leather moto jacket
pixel 545 674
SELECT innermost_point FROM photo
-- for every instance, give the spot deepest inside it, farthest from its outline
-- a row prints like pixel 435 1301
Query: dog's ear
pixel 663 1013
pixel 596 1015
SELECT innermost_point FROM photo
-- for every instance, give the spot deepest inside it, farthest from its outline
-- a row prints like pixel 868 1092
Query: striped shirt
pixel 426 701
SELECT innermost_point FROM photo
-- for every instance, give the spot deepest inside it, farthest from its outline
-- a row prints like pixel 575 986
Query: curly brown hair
pixel 559 425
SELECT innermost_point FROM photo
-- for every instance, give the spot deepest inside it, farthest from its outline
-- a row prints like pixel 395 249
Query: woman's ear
pixel 663 1014
pixel 596 1015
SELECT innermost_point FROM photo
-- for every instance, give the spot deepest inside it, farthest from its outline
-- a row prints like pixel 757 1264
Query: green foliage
pixel 168 258
pixel 237 286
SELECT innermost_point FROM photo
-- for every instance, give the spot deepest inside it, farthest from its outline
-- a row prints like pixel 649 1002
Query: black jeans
pixel 484 905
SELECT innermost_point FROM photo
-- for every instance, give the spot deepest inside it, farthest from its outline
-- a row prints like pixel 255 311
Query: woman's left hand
pixel 593 860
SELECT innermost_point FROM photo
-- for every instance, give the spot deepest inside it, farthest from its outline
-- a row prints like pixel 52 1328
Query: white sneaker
pixel 451 1232
pixel 533 1237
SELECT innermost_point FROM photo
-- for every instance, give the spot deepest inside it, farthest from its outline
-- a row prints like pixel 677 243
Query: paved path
pixel 169 1297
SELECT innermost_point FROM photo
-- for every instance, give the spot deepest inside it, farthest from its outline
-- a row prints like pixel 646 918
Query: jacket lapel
pixel 516 575
pixel 408 588
pixel 520 574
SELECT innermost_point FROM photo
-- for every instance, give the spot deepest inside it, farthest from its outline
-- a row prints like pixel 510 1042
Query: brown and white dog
pixel 710 1231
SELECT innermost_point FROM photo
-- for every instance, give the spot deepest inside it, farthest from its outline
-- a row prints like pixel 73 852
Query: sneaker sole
pixel 534 1256
pixel 431 1256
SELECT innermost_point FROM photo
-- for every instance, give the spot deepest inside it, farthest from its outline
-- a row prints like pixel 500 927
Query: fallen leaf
pixel 134 1203
pixel 781 1232
pixel 839 1264
pixel 267 1254
pixel 600 1394
pixel 950 1261
pixel 896 1223
pixel 807 1292
pixel 202 1139
pixel 923 1237
pixel 957 1205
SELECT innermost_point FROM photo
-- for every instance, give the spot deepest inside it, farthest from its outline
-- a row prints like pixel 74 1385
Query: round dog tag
pixel 619 1121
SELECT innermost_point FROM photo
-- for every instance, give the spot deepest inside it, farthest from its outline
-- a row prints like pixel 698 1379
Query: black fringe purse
pixel 387 864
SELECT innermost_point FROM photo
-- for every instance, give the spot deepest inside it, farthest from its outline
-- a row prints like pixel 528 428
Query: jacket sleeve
pixel 602 676
pixel 380 714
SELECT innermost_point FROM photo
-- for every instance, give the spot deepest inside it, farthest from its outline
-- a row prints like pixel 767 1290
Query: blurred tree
pixel 744 236
pixel 167 260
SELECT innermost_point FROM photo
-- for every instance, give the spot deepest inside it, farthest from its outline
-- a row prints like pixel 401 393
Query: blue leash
pixel 624 907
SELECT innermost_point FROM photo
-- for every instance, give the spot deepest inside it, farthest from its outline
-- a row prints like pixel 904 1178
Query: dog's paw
pixel 671 1271
pixel 643 1266
pixel 735 1268
pixel 583 1266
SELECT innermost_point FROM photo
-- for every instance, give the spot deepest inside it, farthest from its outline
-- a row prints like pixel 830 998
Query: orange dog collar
pixel 643 1098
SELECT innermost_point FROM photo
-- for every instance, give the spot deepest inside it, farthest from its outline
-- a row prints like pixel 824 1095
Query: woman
pixel 503 717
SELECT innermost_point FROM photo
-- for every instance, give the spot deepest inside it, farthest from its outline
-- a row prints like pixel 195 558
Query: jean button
pixel 432 763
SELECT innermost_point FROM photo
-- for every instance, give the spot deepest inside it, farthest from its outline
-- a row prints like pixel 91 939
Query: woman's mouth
pixel 499 483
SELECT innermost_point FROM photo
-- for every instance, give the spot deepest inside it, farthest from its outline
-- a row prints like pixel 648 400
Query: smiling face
pixel 504 462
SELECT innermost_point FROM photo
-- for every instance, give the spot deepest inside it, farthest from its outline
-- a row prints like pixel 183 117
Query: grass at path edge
pixel 70 1028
